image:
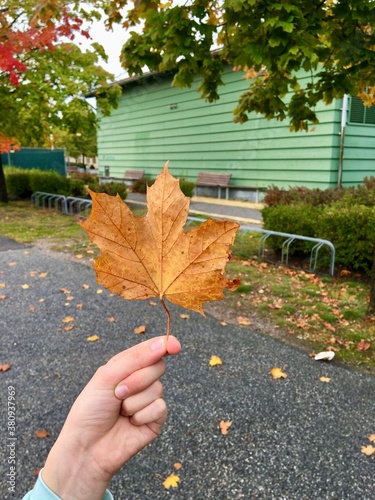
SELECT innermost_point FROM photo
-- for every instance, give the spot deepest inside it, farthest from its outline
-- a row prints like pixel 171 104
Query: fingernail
pixel 121 391
pixel 158 344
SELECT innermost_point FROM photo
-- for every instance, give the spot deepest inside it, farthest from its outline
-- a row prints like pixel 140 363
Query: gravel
pixel 294 438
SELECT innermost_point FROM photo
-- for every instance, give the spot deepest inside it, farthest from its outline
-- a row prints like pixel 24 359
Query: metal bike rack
pixel 67 204
pixel 289 239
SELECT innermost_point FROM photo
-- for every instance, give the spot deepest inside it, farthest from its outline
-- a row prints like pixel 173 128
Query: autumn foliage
pixel 152 256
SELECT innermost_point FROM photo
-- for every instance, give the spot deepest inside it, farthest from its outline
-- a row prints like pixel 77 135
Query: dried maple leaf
pixel 177 465
pixel 371 438
pixel 68 319
pixel 152 256
pixel 277 373
pixel 215 360
pixel 241 320
pixel 5 367
pixel 171 481
pixel 325 379
pixel 224 427
pixel 363 345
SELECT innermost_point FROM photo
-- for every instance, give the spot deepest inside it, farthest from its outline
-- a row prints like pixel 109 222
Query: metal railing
pixel 71 205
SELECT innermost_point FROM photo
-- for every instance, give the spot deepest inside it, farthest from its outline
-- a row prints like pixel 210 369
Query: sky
pixel 112 42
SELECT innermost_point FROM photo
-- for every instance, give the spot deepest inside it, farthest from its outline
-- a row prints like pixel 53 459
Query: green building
pixel 156 122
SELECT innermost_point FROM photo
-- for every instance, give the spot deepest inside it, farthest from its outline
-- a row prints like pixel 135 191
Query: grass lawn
pixel 319 313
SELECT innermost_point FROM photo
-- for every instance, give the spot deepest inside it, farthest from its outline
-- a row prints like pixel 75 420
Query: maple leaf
pixel 171 481
pixel 153 256
pixel 5 367
pixel 277 373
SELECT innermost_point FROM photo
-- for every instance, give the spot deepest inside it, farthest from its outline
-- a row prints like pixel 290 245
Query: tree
pixel 331 40
pixel 44 76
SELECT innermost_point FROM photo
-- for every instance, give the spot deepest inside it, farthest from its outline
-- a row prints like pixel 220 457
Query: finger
pixel 139 356
pixel 139 380
pixel 134 404
pixel 156 412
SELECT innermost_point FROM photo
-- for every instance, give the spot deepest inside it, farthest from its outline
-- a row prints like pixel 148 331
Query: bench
pixel 211 179
pixel 133 175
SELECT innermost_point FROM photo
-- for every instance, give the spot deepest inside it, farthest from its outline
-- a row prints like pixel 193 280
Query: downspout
pixel 344 112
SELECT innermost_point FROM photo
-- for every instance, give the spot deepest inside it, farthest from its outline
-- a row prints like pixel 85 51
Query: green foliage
pixel 110 188
pixel 77 188
pixel 140 185
pixel 272 42
pixel 187 187
pixel 18 182
pixel 49 182
pixel 86 177
pixel 349 222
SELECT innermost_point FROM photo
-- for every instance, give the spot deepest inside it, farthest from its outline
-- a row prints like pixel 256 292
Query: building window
pixel 360 113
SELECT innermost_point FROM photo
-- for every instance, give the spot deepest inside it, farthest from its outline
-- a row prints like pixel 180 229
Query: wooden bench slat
pixel 213 179
pixel 133 175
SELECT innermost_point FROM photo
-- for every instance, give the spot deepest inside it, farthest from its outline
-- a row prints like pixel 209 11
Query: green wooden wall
pixel 156 122
pixel 359 153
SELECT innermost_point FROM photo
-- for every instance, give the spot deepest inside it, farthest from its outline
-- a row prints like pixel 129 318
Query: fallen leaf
pixel 2 297
pixel 25 286
pixel 368 450
pixel 93 338
pixel 70 297
pixel 79 256
pixel 64 290
pixel 224 427
pixel 42 433
pixel 171 481
pixel 68 328
pixel 2 285
pixel 5 367
pixel 31 308
pixel 140 329
pixel 68 319
pixel 153 256
pixel 111 319
pixel 99 290
pixel 12 263
pixel 33 273
pixel 241 320
pixel 26 252
pixel 152 303
pixel 43 275
pixel 223 323
pixel 177 465
pixel 215 360
pixel 372 438
pixel 363 345
pixel 325 379
pixel 79 306
pixel 85 287
pixel 324 356
pixel 41 300
pixel 184 316
pixel 277 373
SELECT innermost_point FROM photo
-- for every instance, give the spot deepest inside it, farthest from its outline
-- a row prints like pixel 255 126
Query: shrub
pixel 111 188
pixel 18 182
pixel 187 187
pixel 140 185
pixel 86 177
pixel 77 188
pixel 49 182
pixel 300 195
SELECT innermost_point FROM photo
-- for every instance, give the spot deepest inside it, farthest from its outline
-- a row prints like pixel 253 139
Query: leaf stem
pixel 169 317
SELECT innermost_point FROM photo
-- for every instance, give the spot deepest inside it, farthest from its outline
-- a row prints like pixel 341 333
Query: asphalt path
pixel 294 438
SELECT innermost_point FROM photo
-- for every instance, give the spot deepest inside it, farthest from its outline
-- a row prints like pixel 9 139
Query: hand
pixel 118 413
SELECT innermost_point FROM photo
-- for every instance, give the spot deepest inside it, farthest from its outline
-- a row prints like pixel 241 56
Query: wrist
pixel 72 474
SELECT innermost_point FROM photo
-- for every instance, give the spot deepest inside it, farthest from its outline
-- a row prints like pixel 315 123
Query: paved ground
pixel 245 213
pixel 297 438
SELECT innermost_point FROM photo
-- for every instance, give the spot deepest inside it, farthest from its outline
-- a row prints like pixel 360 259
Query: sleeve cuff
pixel 42 492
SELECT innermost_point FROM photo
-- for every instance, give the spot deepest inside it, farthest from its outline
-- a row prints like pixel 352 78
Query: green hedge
pixel 348 222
